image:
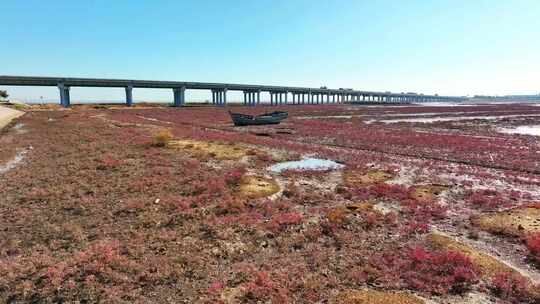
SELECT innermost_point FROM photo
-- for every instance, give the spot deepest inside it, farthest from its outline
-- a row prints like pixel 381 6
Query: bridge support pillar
pixel 129 96
pixel 224 101
pixel 179 96
pixel 249 96
pixel 65 100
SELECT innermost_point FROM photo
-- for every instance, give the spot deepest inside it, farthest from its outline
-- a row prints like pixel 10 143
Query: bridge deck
pixel 154 84
pixel 252 93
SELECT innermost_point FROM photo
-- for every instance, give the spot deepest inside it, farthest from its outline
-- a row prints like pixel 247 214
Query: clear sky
pixel 448 47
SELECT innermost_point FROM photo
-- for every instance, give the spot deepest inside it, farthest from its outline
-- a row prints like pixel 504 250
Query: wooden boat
pixel 264 119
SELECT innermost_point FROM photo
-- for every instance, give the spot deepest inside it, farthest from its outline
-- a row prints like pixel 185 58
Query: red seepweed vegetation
pixel 129 221
pixel 433 272
pixel 513 288
pixel 533 244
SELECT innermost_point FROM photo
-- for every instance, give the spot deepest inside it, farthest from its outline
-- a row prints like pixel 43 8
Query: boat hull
pixel 265 119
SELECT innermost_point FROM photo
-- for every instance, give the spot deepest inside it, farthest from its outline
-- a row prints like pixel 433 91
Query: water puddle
pixel 456 118
pixel 327 117
pixel 305 164
pixel 442 104
pixel 525 130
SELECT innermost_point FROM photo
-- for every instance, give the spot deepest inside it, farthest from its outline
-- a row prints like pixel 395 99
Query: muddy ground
pixel 167 205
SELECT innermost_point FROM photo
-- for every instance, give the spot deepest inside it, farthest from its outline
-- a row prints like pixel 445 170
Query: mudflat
pixel 167 205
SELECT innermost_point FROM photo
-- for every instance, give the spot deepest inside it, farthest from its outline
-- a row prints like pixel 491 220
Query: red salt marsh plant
pixel 512 288
pixel 441 272
pixel 490 199
pixel 109 162
pixel 262 287
pixel 432 272
pixel 281 221
pixel 533 244
pixel 101 272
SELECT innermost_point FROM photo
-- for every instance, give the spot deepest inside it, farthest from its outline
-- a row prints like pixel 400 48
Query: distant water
pixel 453 118
pixel 526 130
pixel 442 104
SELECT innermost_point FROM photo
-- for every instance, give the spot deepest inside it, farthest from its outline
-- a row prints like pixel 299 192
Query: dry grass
pixel 162 138
pixel 427 193
pixel 489 265
pixel 257 187
pixel 356 179
pixel 46 107
pixel 339 214
pixel 361 207
pixel 375 297
pixel 202 149
pixel 517 222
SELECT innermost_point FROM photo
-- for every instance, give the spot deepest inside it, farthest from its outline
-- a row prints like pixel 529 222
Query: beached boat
pixel 264 119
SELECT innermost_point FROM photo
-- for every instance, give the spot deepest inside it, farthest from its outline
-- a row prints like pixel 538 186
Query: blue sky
pixel 446 47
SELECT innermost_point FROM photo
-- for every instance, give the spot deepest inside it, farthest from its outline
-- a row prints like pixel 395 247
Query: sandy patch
pixel 340 214
pixel 428 193
pixel 368 296
pixel 517 222
pixel 7 115
pixel 47 107
pixel 257 187
pixel 203 149
pixel 356 178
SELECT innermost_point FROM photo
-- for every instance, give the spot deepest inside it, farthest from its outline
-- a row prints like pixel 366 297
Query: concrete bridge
pixel 252 93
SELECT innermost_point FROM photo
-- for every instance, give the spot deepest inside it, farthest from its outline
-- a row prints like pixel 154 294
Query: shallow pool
pixel 526 130
pixel 305 164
